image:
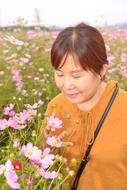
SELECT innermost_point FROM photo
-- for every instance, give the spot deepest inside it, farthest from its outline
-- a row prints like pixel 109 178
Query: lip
pixel 72 95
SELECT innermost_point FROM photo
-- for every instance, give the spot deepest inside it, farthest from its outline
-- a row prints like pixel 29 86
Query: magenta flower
pixel 54 141
pixel 47 174
pixel 53 123
pixel 10 175
pixel 31 152
pixel 17 165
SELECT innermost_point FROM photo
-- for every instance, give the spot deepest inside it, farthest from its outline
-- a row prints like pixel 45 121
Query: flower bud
pixel 11 156
pixel 71 173
pixel 74 162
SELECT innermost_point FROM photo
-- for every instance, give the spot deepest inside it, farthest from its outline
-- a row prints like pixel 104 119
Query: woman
pixel 79 58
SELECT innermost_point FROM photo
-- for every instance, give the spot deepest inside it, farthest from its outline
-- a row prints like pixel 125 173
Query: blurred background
pixel 61 13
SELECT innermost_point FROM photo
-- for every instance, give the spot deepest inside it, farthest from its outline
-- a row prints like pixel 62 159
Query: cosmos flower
pixel 47 174
pixel 53 123
pixel 8 170
pixel 13 40
pixel 54 141
pixel 3 124
pixel 17 165
pixel 31 152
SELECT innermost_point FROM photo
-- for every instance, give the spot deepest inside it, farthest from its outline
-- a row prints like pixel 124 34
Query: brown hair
pixel 83 42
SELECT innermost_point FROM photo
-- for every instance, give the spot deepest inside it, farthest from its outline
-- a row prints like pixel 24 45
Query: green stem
pixel 38 184
pixel 57 172
pixel 62 181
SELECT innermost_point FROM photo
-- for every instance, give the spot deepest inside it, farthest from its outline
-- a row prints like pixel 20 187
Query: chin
pixel 74 100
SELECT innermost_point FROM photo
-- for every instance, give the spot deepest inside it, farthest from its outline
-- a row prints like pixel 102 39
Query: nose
pixel 68 83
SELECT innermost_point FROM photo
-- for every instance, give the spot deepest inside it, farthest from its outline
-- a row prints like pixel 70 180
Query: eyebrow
pixel 72 71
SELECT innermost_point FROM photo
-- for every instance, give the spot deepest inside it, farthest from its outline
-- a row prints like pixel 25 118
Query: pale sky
pixel 64 12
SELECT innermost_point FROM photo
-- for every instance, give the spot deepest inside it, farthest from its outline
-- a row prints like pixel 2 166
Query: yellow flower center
pixel 53 123
pixel 6 125
pixel 19 119
pixel 30 153
pixel 17 166
pixel 55 142
pixel 13 41
pixel 4 169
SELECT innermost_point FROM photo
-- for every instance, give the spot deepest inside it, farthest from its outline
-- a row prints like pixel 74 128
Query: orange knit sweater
pixel 107 166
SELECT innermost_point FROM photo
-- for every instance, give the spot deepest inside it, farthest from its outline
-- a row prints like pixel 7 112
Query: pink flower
pixel 30 181
pixel 10 175
pixel 8 110
pixel 53 123
pixel 29 114
pixel 14 123
pixel 46 159
pixel 12 57
pixel 29 75
pixel 40 103
pixel 47 174
pixel 13 40
pixel 24 59
pixel 20 117
pixel 54 141
pixel 1 73
pixel 31 152
pixel 123 70
pixel 3 124
pixel 16 143
pixel 111 58
pixel 16 76
pixel 107 47
pixel 124 57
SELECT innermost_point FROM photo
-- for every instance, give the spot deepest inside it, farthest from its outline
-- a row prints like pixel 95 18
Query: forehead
pixel 70 63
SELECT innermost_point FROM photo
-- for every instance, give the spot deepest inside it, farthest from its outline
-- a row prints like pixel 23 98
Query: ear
pixel 104 70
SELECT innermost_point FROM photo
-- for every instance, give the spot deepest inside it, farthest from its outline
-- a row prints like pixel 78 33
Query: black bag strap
pixel 86 156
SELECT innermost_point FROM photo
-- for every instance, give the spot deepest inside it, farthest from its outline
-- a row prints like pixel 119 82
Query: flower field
pixel 26 86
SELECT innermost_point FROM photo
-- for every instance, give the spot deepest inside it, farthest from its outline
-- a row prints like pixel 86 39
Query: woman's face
pixel 78 85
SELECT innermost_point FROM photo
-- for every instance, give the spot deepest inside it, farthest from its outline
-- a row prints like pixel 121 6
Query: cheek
pixel 58 82
pixel 88 85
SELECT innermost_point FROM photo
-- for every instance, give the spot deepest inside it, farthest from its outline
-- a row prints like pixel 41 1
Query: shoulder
pixel 122 95
pixel 122 99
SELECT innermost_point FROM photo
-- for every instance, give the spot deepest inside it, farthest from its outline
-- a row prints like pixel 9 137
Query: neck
pixel 92 102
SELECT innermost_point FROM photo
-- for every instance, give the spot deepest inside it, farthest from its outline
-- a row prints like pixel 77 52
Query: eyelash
pixel 72 76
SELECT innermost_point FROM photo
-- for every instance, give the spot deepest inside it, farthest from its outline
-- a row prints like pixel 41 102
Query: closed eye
pixel 59 75
pixel 76 76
